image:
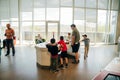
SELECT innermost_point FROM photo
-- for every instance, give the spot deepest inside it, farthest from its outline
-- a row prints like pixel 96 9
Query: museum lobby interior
pixel 99 19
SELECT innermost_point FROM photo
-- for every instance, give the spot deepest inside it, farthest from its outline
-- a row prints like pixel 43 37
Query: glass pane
pixel 90 27
pixel 26 16
pixel 102 20
pixel 91 36
pixel 79 14
pixel 4 10
pixel 39 13
pixel 102 24
pixel 65 29
pixel 1 31
pixel 79 3
pixel 52 3
pixel 113 25
pixel 91 3
pixel 66 2
pixel 66 16
pixel 79 19
pixel 66 20
pixel 39 9
pixel 52 31
pixel 90 15
pixel 14 10
pixel 100 37
pixel 52 13
pixel 115 4
pixel 26 9
pixel 102 4
pixel 39 3
pixel 26 32
pixel 80 25
pixel 39 28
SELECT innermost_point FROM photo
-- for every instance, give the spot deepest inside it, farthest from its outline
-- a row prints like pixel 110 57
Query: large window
pixel 96 18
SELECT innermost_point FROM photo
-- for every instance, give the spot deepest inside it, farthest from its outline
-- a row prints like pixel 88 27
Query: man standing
pixel 75 42
pixel 9 33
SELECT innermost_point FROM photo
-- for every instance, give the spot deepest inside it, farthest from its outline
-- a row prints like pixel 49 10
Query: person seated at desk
pixel 39 39
pixel 68 38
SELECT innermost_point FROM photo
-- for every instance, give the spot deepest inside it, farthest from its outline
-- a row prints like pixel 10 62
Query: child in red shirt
pixel 63 55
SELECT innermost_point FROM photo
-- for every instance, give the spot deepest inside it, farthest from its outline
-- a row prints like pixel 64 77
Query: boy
pixel 53 49
pixel 63 55
pixel 86 42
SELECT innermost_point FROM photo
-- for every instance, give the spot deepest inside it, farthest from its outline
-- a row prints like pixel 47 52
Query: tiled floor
pixel 23 65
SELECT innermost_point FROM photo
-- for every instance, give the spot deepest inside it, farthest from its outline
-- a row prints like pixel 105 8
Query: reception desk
pixel 43 56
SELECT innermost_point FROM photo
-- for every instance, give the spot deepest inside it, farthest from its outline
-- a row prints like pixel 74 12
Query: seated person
pixel 39 39
pixel 68 38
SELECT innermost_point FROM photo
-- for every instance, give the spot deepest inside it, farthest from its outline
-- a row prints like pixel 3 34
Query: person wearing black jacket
pixel 53 49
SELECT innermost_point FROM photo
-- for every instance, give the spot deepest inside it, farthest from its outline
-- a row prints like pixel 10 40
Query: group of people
pixel 54 47
pixel 8 42
pixel 60 46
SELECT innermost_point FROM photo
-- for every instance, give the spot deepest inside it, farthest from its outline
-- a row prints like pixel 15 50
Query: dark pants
pixel 54 62
pixel 75 47
pixel 9 43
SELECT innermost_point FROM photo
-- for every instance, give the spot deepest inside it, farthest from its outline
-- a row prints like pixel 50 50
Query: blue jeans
pixel 9 43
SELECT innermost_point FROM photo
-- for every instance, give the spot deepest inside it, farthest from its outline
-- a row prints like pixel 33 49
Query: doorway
pixel 52 30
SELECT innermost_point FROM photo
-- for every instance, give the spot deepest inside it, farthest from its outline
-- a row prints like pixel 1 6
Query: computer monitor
pixel 112 77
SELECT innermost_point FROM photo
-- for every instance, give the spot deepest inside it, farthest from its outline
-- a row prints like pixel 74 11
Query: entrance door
pixel 52 30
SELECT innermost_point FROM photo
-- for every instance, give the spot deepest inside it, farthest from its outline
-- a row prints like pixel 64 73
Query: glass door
pixel 52 30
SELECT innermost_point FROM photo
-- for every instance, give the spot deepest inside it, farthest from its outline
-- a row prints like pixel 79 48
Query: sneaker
pixel 75 62
pixel 6 54
pixel 51 70
pixel 84 57
pixel 66 65
pixel 62 67
pixel 13 54
pixel 87 55
pixel 56 70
